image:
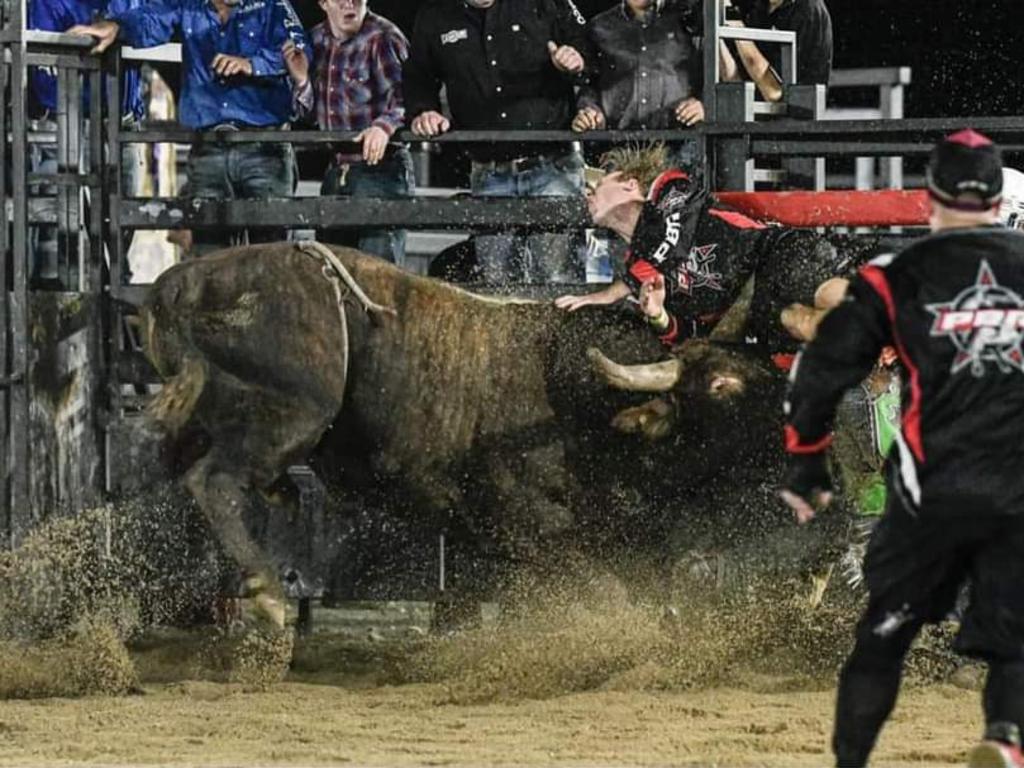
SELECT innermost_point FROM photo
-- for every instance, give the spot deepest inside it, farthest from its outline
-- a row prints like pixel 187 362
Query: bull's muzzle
pixel 647 377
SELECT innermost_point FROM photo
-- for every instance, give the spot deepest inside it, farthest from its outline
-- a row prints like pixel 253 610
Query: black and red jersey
pixel 952 305
pixel 705 251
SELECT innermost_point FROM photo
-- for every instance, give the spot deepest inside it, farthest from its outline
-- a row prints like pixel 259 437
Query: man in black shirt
pixel 812 23
pixel 646 71
pixel 952 305
pixel 506 65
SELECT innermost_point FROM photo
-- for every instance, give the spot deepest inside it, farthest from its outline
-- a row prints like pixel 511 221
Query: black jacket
pixel 641 69
pixel 494 63
pixel 705 251
pixel 952 305
pixel 812 23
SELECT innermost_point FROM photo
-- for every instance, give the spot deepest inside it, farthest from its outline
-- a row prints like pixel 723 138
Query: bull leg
pixel 221 496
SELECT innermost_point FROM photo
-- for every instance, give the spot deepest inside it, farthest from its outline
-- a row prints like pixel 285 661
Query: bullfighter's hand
pixel 807 486
pixel 103 32
pixel 228 66
pixel 297 63
pixel 588 119
pixel 565 58
pixel 690 111
pixel 572 302
pixel 374 140
pixel 652 296
pixel 430 123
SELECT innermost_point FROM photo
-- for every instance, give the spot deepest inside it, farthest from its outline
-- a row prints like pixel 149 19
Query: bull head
pixel 700 369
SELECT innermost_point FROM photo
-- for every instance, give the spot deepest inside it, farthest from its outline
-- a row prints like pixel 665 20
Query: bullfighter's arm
pixel 613 293
pixel 844 351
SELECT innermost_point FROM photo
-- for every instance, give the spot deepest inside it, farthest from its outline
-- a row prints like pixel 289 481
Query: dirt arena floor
pixel 581 673
pixel 608 687
pixel 203 723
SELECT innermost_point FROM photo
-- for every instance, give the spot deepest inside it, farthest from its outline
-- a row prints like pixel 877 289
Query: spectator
pixel 357 86
pixel 506 65
pixel 646 71
pixel 60 16
pixel 234 79
pixel 812 23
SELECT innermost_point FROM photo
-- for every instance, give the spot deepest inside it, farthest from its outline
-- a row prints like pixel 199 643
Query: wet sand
pixel 205 723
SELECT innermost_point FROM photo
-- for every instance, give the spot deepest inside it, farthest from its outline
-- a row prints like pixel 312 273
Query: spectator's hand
pixel 296 62
pixel 104 33
pixel 652 296
pixel 430 123
pixel 227 66
pixel 588 119
pixel 690 111
pixel 565 58
pixel 374 140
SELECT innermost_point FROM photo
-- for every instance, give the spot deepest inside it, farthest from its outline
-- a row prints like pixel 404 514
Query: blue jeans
pixel 535 258
pixel 390 179
pixel 240 171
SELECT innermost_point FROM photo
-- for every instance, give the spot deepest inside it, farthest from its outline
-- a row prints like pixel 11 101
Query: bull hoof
pixel 261 606
pixel 263 610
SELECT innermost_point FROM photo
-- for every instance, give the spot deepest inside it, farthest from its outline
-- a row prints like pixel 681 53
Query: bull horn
pixel 649 377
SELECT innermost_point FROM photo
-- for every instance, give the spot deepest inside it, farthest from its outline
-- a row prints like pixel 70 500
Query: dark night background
pixel 966 55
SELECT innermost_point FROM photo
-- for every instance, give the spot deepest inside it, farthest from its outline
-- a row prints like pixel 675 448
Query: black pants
pixel 914 569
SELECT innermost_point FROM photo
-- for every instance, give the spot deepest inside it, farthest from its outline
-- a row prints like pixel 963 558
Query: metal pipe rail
pixel 854 131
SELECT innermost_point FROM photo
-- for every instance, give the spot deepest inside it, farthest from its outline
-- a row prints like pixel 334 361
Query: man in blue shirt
pixel 234 78
pixel 58 16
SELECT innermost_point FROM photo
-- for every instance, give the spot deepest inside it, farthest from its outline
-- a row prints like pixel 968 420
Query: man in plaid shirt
pixel 356 85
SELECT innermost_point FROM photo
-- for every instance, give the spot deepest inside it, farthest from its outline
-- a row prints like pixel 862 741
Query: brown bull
pixel 266 347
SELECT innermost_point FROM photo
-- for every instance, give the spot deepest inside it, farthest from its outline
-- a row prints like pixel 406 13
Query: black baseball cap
pixel 965 171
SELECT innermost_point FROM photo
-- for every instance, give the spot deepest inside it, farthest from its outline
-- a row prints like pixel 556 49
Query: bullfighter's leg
pixel 221 495
pixel 790 272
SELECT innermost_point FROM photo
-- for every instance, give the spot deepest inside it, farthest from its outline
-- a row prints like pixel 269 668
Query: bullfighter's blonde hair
pixel 643 162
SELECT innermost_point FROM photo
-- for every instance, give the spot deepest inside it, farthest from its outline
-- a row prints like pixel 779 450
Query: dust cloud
pixel 577 668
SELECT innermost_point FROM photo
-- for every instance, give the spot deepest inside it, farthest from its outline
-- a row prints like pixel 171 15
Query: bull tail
pixel 172 407
pixel 320 250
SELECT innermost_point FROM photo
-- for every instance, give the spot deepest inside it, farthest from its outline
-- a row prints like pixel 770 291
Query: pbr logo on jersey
pixel 696 272
pixel 985 322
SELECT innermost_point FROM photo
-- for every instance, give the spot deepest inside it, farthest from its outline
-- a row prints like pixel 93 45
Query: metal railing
pixel 890 83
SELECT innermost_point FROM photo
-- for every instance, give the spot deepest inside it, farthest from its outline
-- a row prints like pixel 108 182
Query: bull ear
pixel 651 377
pixel 653 419
pixel 726 385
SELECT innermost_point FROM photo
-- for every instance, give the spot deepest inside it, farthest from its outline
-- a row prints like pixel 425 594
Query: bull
pixel 497 410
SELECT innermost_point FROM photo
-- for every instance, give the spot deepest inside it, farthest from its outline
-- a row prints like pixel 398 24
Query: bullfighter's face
pixel 610 196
